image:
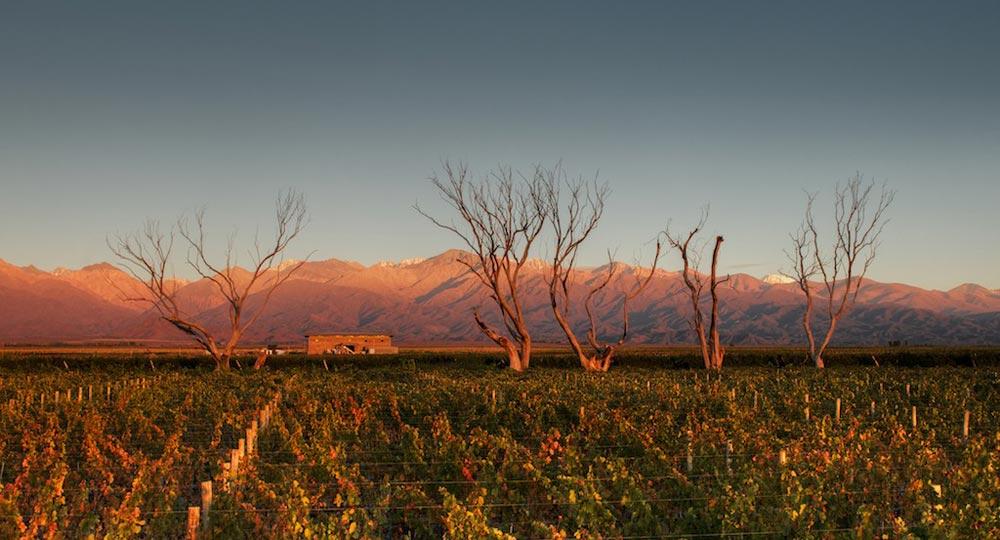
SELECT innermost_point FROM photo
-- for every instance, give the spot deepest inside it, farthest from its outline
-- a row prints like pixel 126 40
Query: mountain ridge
pixel 431 301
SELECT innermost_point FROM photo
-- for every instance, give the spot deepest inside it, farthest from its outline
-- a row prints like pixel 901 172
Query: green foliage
pixel 451 447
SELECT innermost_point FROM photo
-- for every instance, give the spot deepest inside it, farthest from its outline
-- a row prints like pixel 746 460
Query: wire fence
pixel 699 459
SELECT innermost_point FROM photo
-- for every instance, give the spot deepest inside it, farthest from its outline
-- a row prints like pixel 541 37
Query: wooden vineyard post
pixel 755 401
pixel 234 463
pixel 914 417
pixel 782 457
pixel 690 460
pixel 249 438
pixel 965 427
pixel 807 414
pixel 79 394
pixel 90 392
pixel 206 499
pixel 837 414
pixel 192 523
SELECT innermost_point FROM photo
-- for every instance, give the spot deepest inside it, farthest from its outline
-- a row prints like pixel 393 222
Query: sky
pixel 112 113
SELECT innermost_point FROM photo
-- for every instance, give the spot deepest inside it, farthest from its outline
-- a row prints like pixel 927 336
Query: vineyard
pixel 450 447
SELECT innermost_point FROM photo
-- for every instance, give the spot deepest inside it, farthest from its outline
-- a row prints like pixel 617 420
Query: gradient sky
pixel 111 113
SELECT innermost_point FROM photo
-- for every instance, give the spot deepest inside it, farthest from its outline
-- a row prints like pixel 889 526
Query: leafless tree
pixel 499 218
pixel 572 217
pixel 712 351
pixel 148 256
pixel 859 219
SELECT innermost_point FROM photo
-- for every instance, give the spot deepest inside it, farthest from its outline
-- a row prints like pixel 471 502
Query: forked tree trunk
pixel 221 362
pixel 818 356
pixel 600 360
pixel 517 357
pixel 817 360
pixel 220 357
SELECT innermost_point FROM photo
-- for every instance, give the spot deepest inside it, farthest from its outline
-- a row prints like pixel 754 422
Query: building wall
pixel 359 343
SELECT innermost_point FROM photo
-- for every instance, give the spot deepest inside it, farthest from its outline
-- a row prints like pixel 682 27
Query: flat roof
pixel 349 334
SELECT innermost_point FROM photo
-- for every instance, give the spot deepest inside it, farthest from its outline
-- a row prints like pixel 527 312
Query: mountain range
pixel 431 302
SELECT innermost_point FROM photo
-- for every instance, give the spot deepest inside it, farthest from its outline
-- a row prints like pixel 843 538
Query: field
pixel 446 445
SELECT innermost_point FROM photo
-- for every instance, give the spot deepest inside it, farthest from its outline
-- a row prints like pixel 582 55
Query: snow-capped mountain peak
pixel 777 279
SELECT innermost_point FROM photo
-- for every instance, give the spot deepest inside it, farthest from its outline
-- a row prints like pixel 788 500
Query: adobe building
pixel 350 344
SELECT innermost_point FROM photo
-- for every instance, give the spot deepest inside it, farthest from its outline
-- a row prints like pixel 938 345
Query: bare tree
pixel 712 351
pixel 859 219
pixel 499 219
pixel 148 256
pixel 572 220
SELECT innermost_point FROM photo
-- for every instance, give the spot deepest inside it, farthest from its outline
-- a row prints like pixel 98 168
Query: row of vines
pixel 409 451
pixel 103 455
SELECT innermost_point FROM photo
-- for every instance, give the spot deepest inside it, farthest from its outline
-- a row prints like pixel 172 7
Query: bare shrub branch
pixel 499 218
pixel 859 219
pixel 712 351
pixel 147 255
pixel 573 215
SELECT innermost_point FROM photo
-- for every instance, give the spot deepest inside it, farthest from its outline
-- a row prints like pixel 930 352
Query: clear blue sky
pixel 112 112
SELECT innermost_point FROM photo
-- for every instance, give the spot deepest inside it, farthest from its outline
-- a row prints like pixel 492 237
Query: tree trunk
pixel 818 356
pixel 525 354
pixel 588 363
pixel 717 351
pixel 699 329
pixel 516 360
pixel 261 358
pixel 221 358
pixel 601 361
pixel 222 362
pixel 818 361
